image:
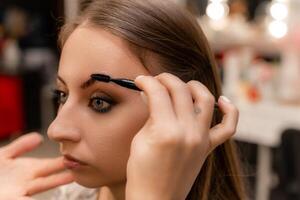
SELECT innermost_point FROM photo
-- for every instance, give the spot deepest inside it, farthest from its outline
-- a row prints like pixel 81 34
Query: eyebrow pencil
pixel 122 82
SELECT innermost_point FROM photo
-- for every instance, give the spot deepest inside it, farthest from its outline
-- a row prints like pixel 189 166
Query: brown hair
pixel 171 34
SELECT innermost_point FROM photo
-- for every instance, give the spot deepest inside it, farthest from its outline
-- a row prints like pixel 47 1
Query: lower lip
pixel 71 164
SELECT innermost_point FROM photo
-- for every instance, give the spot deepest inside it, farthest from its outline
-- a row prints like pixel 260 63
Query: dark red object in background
pixel 11 106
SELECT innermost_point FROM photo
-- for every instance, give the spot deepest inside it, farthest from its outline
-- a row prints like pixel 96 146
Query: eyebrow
pixel 84 85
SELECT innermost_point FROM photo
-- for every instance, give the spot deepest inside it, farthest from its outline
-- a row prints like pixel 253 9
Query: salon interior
pixel 257 47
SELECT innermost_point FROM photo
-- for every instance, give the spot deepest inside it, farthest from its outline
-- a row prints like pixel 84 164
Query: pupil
pixel 98 102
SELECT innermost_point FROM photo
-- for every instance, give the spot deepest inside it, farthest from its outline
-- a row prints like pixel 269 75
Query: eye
pixel 59 97
pixel 101 104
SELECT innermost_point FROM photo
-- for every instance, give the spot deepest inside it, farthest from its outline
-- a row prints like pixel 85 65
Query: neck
pixel 115 192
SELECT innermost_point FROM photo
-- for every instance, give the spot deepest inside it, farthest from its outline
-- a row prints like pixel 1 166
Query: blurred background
pixel 257 46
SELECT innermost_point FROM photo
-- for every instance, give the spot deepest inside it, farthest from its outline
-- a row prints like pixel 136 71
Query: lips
pixel 72 163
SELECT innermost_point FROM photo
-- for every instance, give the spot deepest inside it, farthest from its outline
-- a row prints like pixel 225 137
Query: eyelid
pixel 96 94
pixel 105 98
pixel 61 87
pixel 100 93
pixel 57 90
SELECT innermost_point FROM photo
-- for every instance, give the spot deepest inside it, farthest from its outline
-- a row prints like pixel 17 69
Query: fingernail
pixel 144 98
pixel 225 99
pixel 138 77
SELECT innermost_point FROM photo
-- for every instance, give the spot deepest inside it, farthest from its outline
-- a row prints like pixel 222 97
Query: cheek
pixel 110 145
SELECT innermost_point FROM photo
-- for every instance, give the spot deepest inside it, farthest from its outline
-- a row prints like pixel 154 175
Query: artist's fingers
pixel 181 96
pixel 204 101
pixel 21 145
pixel 159 101
pixel 46 183
pixel 226 129
pixel 49 166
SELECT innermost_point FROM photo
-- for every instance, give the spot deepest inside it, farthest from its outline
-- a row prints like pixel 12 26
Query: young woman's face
pixel 96 122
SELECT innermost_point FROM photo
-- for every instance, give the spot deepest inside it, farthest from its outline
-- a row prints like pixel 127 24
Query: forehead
pixel 93 50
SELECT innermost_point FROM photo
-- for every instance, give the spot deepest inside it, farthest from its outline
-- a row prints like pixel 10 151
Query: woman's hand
pixel 23 177
pixel 169 151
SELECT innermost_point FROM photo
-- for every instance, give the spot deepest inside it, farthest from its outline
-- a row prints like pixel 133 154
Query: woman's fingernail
pixel 138 77
pixel 225 99
pixel 144 97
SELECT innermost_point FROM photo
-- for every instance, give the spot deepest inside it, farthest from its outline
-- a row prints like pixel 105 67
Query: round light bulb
pixel 278 29
pixel 217 11
pixel 279 11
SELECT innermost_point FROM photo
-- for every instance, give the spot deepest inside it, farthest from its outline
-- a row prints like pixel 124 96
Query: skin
pixel 41 174
pixel 162 138
pixel 174 135
pixel 102 140
pixel 130 151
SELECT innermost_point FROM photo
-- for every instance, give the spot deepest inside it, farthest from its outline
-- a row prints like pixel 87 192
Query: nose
pixel 65 126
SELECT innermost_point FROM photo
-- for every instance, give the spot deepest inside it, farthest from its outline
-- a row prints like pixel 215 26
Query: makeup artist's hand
pixel 169 151
pixel 22 177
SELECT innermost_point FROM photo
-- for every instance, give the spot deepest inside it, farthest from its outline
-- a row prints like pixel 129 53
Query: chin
pixel 89 184
pixel 88 180
pixel 92 180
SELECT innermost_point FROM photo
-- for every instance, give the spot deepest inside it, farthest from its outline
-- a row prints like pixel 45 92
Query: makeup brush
pixel 122 82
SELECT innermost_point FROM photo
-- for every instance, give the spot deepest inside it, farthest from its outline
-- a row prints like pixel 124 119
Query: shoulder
pixel 74 191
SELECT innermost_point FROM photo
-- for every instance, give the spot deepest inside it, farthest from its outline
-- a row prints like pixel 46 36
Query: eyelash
pixel 58 96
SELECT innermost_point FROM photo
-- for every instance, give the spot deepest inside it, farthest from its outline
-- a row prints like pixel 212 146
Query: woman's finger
pixel 204 103
pixel 223 131
pixel 158 98
pixel 22 145
pixel 46 183
pixel 180 94
pixel 49 166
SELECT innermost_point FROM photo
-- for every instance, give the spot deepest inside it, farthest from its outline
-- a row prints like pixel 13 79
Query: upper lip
pixel 69 157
